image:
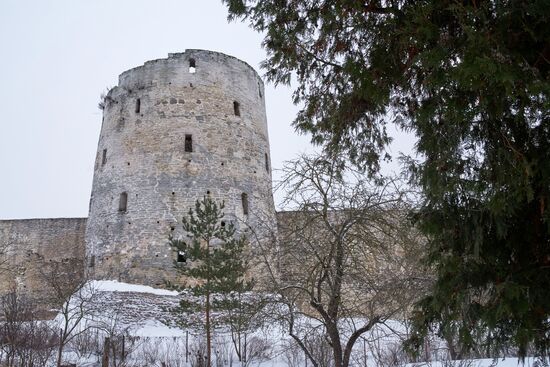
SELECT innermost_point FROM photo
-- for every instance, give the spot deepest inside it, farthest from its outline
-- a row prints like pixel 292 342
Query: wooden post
pixel 60 349
pixel 123 351
pixel 105 359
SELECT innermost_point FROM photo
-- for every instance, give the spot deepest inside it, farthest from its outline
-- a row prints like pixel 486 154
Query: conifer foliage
pixel 471 79
pixel 215 263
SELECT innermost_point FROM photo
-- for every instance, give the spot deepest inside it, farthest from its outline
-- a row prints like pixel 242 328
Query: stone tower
pixel 173 131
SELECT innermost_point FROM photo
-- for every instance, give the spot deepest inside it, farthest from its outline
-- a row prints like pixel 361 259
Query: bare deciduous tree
pixel 118 342
pixel 259 350
pixel 3 258
pixel 69 290
pixel 25 341
pixel 347 257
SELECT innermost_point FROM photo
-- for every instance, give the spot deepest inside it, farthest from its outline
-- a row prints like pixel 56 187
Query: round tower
pixel 173 131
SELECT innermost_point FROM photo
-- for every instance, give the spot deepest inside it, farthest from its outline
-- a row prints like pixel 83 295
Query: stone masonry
pixel 30 245
pixel 173 131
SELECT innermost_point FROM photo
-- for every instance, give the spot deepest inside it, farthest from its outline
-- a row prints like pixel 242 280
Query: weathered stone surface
pixel 133 308
pixel 32 244
pixel 148 160
pixel 141 152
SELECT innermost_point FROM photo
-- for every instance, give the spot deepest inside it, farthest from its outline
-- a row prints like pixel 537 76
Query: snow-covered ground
pixel 135 318
pixel 486 362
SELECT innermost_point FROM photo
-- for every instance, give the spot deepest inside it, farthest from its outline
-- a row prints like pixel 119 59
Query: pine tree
pixel 215 263
pixel 471 80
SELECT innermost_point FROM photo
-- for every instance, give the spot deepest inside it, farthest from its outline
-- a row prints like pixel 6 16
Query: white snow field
pixel 135 317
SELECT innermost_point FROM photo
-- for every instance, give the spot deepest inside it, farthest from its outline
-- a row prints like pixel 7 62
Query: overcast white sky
pixel 57 58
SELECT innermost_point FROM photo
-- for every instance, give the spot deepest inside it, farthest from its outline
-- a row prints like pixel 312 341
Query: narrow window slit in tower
pixel 192 66
pixel 266 162
pixel 104 157
pixel 236 108
pixel 188 143
pixel 181 257
pixel 123 202
pixel 92 261
pixel 138 105
pixel 259 90
pixel 244 200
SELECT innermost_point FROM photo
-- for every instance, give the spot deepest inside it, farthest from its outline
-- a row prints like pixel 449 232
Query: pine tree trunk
pixel 208 341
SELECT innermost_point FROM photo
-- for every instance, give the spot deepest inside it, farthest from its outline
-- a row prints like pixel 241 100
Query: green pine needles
pixel 215 264
pixel 213 251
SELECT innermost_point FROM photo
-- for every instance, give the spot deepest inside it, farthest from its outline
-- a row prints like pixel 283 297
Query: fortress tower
pixel 175 130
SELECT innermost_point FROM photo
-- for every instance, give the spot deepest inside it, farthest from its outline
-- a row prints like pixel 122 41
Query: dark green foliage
pixel 216 266
pixel 471 80
pixel 213 251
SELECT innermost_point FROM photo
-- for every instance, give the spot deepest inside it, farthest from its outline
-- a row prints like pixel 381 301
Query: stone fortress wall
pixel 28 246
pixel 173 131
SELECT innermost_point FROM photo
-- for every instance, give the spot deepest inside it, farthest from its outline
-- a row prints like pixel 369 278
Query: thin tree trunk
pixel 60 349
pixel 240 354
pixel 208 341
pixel 334 335
pixel 365 352
pixel 354 337
pixel 236 339
pixel 244 351
pixel 335 302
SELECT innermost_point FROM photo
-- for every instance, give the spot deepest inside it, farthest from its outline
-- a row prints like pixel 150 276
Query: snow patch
pixel 155 329
pixel 116 286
